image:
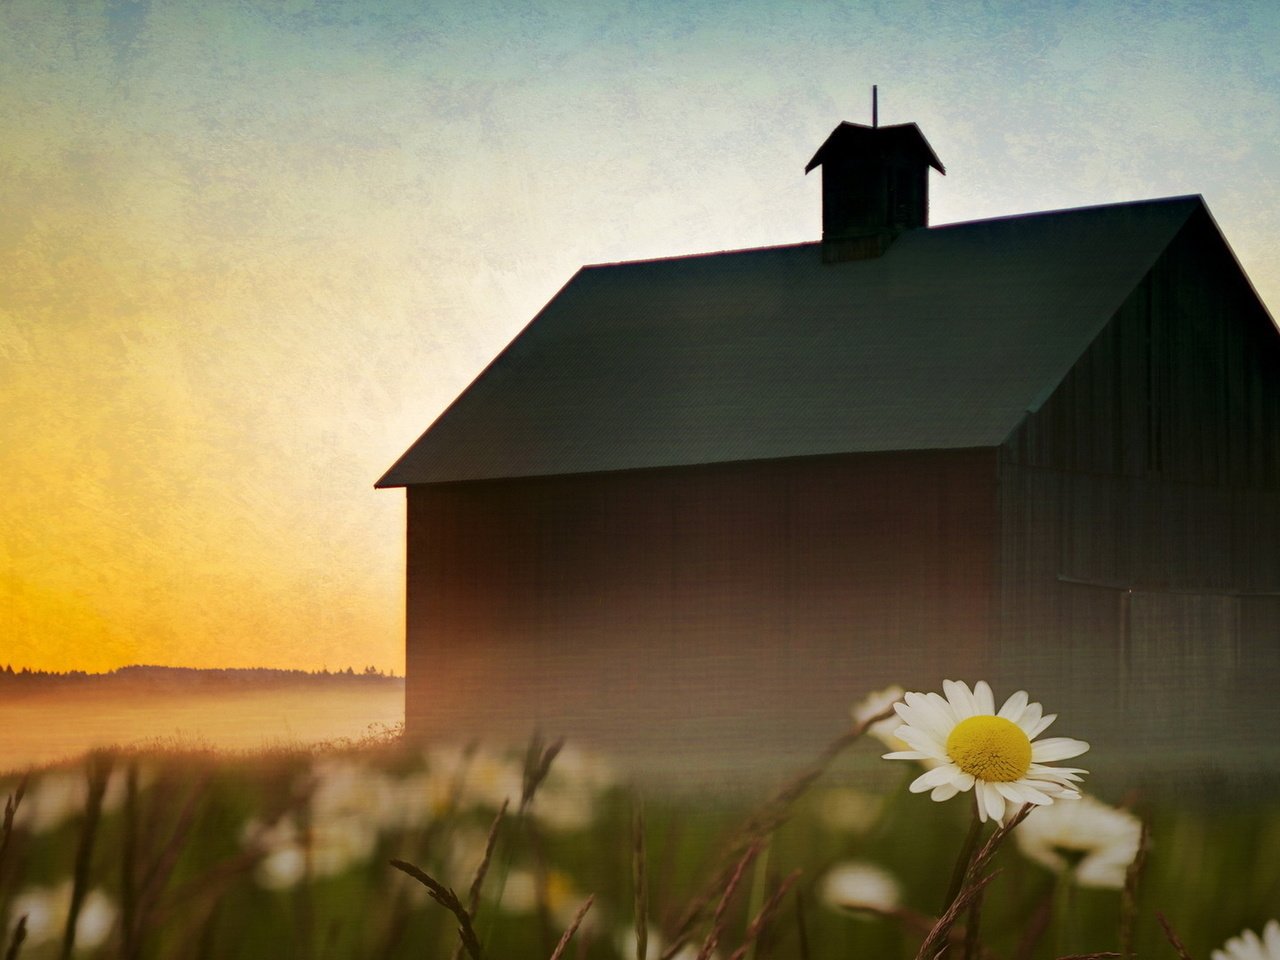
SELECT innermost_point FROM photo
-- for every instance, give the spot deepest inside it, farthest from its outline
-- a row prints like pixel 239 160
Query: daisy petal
pixel 1013 707
pixel 1271 933
pixel 920 713
pixel 1057 748
pixel 1023 792
pixel 1060 773
pixel 944 791
pixel 1041 726
pixel 924 714
pixel 990 797
pixel 1030 717
pixel 960 698
pixel 939 701
pixel 983 698
pixel 945 773
pixel 921 740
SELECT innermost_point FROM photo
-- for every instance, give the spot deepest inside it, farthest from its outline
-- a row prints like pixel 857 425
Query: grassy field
pixel 181 854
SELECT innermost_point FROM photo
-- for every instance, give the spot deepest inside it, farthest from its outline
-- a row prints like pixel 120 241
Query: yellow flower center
pixel 990 748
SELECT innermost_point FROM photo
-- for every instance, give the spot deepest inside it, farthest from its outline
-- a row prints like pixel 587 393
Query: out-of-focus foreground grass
pixel 187 854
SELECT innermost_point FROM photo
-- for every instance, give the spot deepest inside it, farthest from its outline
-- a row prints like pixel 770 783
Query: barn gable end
pixel 1140 505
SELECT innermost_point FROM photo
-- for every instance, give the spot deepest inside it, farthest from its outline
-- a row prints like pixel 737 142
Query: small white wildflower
pixel 876 703
pixel 47 909
pixel 1089 841
pixel 855 883
pixel 1249 946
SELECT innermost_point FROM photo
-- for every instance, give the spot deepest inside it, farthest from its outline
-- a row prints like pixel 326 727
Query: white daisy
pixel 992 753
pixel 1091 842
pixel 854 883
pixel 1249 946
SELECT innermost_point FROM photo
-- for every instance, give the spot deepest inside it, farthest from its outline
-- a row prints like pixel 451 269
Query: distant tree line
pixel 192 676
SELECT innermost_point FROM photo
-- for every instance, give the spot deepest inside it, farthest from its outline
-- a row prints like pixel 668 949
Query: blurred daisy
pixel 847 809
pixel 60 795
pixel 519 895
pixel 471 778
pixel 625 942
pixel 876 703
pixel 856 884
pixel 329 846
pixel 284 861
pixel 1091 842
pixel 47 908
pixel 1250 946
pixel 566 800
pixel 992 753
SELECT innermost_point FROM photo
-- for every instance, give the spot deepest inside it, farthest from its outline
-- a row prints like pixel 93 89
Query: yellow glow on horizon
pixel 190 485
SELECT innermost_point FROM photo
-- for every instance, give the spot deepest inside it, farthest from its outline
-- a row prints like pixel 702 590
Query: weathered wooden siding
pixel 1183 385
pixel 1140 507
pixel 732 610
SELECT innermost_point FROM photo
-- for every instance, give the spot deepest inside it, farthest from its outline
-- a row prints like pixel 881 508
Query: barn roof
pixel 944 342
pixel 856 140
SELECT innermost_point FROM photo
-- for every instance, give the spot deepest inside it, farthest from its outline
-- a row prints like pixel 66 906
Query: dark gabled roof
pixel 854 140
pixel 942 343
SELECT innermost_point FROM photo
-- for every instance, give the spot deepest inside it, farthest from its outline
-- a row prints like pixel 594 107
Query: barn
pixel 701 504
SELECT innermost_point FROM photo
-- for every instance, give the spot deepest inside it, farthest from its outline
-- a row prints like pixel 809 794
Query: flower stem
pixel 963 861
pixel 1064 908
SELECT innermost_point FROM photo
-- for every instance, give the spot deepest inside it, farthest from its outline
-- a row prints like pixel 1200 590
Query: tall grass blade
pixel 573 927
pixel 717 921
pixel 640 881
pixel 477 883
pixel 449 900
pixel 157 875
pixel 128 867
pixel 536 767
pixel 763 918
pixel 1129 896
pixel 938 939
pixel 766 820
pixel 19 935
pixel 802 931
pixel 99 769
pixel 1174 940
pixel 11 805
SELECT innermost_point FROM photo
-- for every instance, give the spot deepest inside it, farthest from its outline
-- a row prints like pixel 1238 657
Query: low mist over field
pixel 45 718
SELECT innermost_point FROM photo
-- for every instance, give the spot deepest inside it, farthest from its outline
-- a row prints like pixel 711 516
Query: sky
pixel 250 249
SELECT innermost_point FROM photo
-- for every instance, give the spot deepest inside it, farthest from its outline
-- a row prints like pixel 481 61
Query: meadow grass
pixel 382 849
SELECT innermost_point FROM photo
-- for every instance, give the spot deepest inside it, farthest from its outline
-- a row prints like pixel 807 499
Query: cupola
pixel 875 184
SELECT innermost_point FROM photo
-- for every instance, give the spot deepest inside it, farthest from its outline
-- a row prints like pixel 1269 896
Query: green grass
pixel 172 855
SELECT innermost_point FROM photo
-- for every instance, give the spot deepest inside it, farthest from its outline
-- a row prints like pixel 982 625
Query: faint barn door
pixel 1180 661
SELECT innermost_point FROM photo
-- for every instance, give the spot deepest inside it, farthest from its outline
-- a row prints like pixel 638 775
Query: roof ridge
pixel 1087 208
pixel 1005 218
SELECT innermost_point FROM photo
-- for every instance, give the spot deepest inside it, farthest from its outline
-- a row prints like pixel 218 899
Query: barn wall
pixel 1141 512
pixel 735 610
